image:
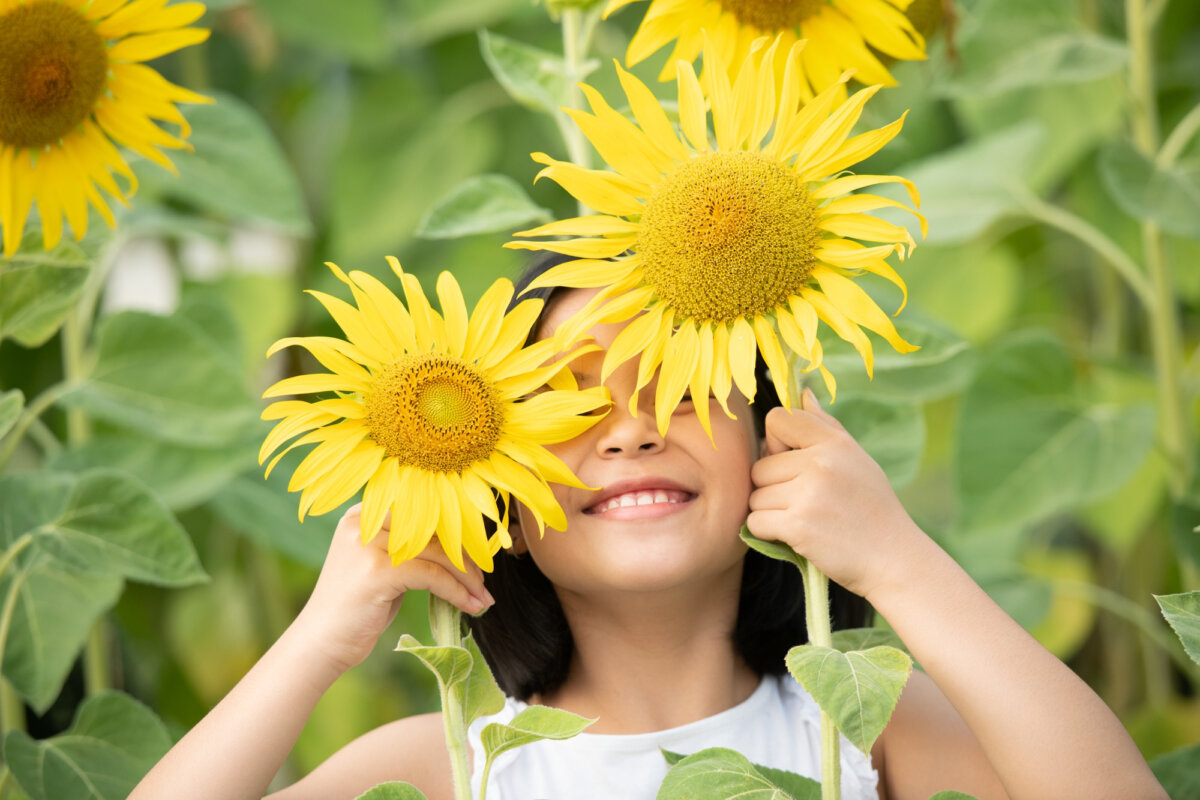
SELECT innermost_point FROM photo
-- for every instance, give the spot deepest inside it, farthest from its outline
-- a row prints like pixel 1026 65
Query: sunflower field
pixel 174 176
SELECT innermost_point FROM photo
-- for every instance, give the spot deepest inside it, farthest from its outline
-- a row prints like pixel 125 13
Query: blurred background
pixel 1034 434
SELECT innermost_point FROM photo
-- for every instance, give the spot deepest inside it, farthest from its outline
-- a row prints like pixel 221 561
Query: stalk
pixel 445 622
pixel 577 31
pixel 820 633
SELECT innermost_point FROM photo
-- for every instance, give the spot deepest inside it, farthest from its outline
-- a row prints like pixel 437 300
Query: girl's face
pixel 668 510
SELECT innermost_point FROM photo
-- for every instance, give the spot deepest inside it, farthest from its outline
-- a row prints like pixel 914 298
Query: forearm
pixel 236 750
pixel 1043 729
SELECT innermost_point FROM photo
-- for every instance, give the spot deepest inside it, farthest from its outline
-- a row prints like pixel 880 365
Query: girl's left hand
pixel 821 494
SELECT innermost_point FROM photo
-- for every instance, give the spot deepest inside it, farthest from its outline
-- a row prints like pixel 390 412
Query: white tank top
pixel 777 726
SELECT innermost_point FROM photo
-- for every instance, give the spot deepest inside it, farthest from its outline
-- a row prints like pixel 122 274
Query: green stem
pixel 10 605
pixel 820 633
pixel 1183 133
pixel 28 416
pixel 97 661
pixel 12 708
pixel 5 780
pixel 576 38
pixel 445 622
pixel 1176 434
pixel 1091 236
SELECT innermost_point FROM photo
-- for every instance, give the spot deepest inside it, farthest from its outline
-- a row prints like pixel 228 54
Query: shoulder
pixel 412 749
pixel 927 747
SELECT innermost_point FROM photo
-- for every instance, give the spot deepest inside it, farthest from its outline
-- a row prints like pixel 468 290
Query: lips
pixel 639 492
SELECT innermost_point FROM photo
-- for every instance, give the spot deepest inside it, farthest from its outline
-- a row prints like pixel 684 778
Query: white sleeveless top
pixel 779 726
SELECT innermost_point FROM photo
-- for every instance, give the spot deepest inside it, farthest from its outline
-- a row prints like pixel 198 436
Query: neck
pixel 649 661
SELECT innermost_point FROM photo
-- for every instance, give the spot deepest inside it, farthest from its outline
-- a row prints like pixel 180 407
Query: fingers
pixel 796 429
pixel 773 496
pixel 775 525
pixel 443 580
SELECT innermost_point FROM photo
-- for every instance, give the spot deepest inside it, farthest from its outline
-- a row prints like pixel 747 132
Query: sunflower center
pixel 772 15
pixel 434 412
pixel 53 66
pixel 729 235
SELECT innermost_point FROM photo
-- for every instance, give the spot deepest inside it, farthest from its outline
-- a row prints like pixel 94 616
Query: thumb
pixel 792 430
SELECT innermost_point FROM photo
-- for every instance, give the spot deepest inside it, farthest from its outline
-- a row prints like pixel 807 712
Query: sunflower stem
pixel 445 622
pixel 576 38
pixel 1180 136
pixel 28 417
pixel 820 633
pixel 1175 431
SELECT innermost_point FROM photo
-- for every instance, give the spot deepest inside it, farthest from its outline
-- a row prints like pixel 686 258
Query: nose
pixel 621 434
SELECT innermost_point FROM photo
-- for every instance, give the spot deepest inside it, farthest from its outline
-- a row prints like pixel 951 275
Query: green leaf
pixel 357 31
pixel 532 724
pixel 719 773
pixel 858 689
pixel 237 169
pixel 1183 613
pixel 35 298
pixel 941 367
pixel 533 77
pixel 865 638
pixel 1029 445
pixel 179 475
pixel 264 512
pixel 482 204
pixel 101 522
pixel 164 376
pixel 1179 772
pixel 481 694
pixel 976 302
pixel 1149 192
pixel 111 745
pixel 952 795
pixel 775 550
pixel 892 433
pixel 1069 57
pixel 959 210
pixel 54 609
pixel 11 404
pixel 396 790
pixel 451 665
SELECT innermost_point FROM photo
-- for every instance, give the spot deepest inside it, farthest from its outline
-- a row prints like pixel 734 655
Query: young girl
pixel 649 614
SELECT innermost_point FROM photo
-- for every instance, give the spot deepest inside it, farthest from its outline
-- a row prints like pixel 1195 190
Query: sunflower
pixel 840 34
pixel 438 416
pixel 709 244
pixel 72 83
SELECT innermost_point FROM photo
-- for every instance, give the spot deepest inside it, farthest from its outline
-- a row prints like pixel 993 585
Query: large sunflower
pixel 709 244
pixel 72 83
pixel 840 33
pixel 436 415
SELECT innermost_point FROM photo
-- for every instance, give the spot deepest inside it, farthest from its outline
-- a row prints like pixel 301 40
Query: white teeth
pixel 628 500
pixel 645 499
pixel 661 497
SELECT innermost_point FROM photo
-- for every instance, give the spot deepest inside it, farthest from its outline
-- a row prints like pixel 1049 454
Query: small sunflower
pixel 436 415
pixel 840 34
pixel 709 244
pixel 72 83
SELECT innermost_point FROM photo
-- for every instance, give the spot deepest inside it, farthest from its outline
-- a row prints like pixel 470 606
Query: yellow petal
pixel 455 310
pixel 584 273
pixel 380 494
pixel 449 528
pixel 152 45
pixel 692 114
pixel 650 116
pixel 678 366
pixel 606 192
pixel 593 225
pixel 742 358
pixel 834 318
pixel 773 354
pixel 319 382
pixel 858 307
pixel 701 382
pixel 722 377
pixel 484 324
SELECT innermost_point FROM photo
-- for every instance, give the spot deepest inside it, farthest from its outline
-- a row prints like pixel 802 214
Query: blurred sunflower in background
pixel 710 244
pixel 435 416
pixel 842 34
pixel 72 87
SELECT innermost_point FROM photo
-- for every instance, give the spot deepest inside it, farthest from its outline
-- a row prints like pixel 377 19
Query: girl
pixel 649 615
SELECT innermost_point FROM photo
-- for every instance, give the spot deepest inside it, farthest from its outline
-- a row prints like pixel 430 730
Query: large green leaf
pixel 111 745
pixel 849 639
pixel 858 689
pixel 36 297
pixel 11 403
pixel 179 475
pixel 54 609
pixel 451 665
pixel 481 694
pixel 974 288
pixel 1179 772
pixel 101 521
pixel 482 204
pixel 1183 613
pixel 1148 191
pixel 533 77
pixel 530 725
pixel 395 790
pixel 357 31
pixel 237 169
pixel 1029 445
pixel 941 367
pixel 165 377
pixel 266 513
pixel 719 773
pixel 893 433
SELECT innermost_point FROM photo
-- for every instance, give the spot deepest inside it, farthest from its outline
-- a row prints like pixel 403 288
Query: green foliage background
pixel 1031 435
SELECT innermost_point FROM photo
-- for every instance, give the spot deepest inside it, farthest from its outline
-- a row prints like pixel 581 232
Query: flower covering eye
pixel 711 245
pixel 433 415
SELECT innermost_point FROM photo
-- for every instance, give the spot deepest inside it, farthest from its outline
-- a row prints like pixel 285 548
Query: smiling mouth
pixel 642 497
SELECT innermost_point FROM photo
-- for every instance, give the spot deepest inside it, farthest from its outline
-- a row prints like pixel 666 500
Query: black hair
pixel 525 637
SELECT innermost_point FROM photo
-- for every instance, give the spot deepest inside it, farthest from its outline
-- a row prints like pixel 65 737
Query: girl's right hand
pixel 359 592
